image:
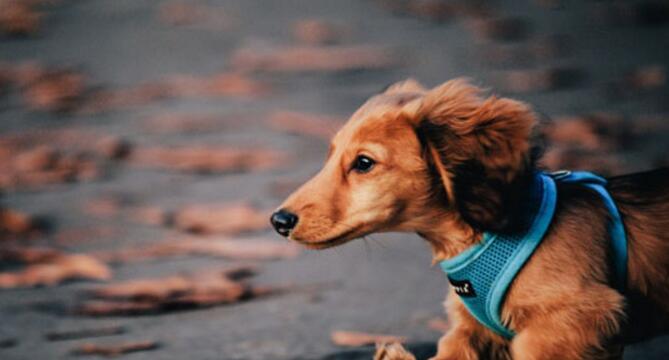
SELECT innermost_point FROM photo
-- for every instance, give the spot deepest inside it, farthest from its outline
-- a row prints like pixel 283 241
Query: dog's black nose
pixel 283 221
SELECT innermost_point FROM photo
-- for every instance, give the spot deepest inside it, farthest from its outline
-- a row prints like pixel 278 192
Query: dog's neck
pixel 448 235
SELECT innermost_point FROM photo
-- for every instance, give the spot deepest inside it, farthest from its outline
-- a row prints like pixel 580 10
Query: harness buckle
pixel 560 174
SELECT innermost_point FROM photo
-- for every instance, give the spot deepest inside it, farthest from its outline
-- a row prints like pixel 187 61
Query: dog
pixel 451 164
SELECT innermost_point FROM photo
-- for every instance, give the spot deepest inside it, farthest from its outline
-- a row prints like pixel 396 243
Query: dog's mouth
pixel 331 242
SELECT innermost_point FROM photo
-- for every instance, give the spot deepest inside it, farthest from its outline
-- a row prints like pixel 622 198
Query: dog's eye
pixel 363 164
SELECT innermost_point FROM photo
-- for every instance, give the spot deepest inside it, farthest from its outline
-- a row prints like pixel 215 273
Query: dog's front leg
pixel 583 327
pixel 467 339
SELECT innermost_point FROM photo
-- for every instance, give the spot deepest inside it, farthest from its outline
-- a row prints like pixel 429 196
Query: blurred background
pixel 143 145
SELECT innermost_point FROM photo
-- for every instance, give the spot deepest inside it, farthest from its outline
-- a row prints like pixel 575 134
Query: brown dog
pixel 450 165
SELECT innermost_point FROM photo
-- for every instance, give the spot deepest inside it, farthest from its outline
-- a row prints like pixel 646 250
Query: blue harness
pixel 482 274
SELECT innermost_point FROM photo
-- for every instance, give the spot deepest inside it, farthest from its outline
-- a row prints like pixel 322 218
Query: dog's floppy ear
pixel 480 149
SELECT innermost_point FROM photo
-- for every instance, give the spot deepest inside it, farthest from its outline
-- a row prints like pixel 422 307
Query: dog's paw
pixel 392 351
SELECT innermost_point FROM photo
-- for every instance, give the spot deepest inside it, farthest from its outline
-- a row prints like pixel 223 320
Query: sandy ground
pixel 382 285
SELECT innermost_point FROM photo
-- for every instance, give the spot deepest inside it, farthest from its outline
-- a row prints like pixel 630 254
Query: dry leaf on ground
pixel 230 218
pixel 313 59
pixel 356 338
pixel 26 162
pixel 188 13
pixel 317 32
pixel 17 224
pixel 207 160
pixel 178 86
pixel 549 79
pixel 19 18
pixel 316 125
pixel 179 292
pixel 184 123
pixel 501 29
pixel 114 350
pixel 46 267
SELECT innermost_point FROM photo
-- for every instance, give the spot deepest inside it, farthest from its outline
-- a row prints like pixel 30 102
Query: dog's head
pixel 411 159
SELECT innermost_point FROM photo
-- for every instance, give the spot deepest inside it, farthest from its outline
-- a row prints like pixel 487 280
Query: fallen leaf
pixel 316 125
pixel 231 218
pixel 114 147
pixel 56 90
pixel 115 350
pixel 14 223
pixel 207 160
pixel 501 29
pixel 185 13
pixel 27 162
pixel 48 267
pixel 19 18
pixel 83 234
pixel 541 80
pixel 640 80
pixel 184 123
pixel 313 59
pixel 179 292
pixel 355 338
pixel 151 215
pixel 317 32
pixel 180 86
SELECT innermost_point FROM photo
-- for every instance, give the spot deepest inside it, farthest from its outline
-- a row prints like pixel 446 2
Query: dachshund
pixel 450 164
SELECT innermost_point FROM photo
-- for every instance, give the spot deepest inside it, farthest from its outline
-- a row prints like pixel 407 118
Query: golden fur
pixel 449 165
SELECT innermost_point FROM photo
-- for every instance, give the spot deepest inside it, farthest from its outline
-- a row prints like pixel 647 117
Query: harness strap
pixel 615 225
pixel 482 274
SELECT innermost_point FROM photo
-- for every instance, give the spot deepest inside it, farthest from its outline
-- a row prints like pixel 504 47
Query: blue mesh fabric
pixel 490 267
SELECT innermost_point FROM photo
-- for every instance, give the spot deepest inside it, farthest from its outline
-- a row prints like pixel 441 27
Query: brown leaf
pixel 149 296
pixel 316 125
pixel 115 350
pixel 114 147
pixel 316 32
pixel 26 162
pixel 207 160
pixel 14 224
pixel 55 90
pixel 313 59
pixel 541 80
pixel 186 13
pixel 48 268
pixel 640 80
pixel 501 29
pixel 180 123
pixel 19 18
pixel 355 338
pixel 180 86
pixel 151 215
pixel 232 218
pixel 83 234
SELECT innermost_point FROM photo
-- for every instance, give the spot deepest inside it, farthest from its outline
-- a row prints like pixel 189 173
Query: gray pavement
pixel 384 284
